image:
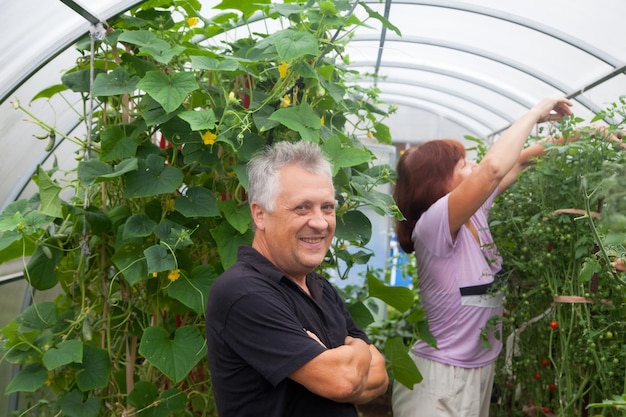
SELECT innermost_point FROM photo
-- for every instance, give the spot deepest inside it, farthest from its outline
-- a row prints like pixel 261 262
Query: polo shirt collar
pixel 262 265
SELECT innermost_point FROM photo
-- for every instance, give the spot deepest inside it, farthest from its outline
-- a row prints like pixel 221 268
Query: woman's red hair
pixel 424 171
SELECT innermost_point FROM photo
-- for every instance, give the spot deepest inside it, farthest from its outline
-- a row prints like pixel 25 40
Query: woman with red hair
pixel 445 199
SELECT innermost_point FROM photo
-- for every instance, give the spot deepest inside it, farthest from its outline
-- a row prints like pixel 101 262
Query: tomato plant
pixel 558 228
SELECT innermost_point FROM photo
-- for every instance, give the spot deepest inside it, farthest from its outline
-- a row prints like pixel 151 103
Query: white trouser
pixel 445 391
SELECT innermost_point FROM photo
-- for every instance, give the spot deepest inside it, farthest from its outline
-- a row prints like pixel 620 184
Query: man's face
pixel 297 234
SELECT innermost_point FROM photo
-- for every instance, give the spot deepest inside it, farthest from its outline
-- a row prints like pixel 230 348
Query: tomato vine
pixel 558 228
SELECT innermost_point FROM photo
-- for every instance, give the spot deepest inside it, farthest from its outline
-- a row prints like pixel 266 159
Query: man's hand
pixel 314 337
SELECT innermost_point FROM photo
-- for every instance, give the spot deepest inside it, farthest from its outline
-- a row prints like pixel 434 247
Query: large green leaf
pixel 386 23
pixel 152 112
pixel 171 401
pixel 228 241
pixel 116 82
pixel 38 317
pixel 213 64
pixel 178 132
pixel 199 120
pixel 302 119
pixel 29 379
pixel 262 119
pixel 64 353
pixel 173 234
pixel 291 44
pixel 130 261
pixel 382 133
pixel 139 37
pixel 152 178
pixel 193 291
pixel 401 298
pixel 138 225
pixel 145 398
pixel 79 81
pixel 168 90
pixel 418 317
pixel 97 220
pixel 137 64
pixel 174 357
pixel 41 270
pixel 404 369
pixel 144 394
pixel 159 259
pixel 49 92
pixel 201 154
pixel 248 7
pixel 382 203
pixel 16 214
pixel 94 170
pixel 95 370
pixel 10 225
pixel 72 405
pixel 151 45
pixel 20 228
pixel 344 156
pixel 197 202
pixel 49 193
pixel 238 215
pixel 163 52
pixel 288 9
pixel 354 226
pixel 361 315
pixel 116 143
pixel 13 245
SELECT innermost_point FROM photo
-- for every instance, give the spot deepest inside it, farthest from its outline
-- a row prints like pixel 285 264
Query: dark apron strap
pixel 482 289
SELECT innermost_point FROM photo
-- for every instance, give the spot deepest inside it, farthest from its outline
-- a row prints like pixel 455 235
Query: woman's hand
pixel 616 136
pixel 552 108
pixel 619 265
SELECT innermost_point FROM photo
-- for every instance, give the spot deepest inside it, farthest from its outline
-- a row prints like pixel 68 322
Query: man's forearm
pixel 377 379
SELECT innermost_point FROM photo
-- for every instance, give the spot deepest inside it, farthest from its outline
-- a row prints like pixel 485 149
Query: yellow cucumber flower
pixel 283 69
pixel 209 138
pixel 173 275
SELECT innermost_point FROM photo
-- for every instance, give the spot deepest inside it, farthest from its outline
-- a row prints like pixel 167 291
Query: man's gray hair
pixel 264 167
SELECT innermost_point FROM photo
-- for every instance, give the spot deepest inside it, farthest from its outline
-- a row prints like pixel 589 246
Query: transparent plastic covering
pixel 453 68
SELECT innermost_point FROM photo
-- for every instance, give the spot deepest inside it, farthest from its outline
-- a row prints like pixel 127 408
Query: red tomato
pixel 551 387
pixel 546 410
pixel 537 376
pixel 545 362
pixel 554 324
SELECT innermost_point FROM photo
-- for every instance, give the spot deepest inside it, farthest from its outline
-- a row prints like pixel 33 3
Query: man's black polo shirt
pixel 255 326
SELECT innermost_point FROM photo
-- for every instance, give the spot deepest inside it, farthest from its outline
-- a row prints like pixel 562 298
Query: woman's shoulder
pixel 438 209
pixel 433 225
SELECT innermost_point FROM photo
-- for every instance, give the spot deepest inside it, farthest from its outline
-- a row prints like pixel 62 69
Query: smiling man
pixel 280 339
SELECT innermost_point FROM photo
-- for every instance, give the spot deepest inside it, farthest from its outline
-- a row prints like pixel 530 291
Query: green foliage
pixel 158 205
pixel 401 318
pixel 564 332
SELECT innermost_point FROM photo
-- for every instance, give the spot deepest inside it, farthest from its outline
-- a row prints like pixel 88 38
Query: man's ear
pixel 258 215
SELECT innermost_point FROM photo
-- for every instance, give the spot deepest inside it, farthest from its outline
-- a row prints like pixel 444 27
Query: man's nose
pixel 318 219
